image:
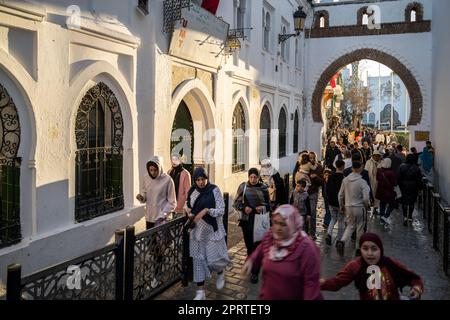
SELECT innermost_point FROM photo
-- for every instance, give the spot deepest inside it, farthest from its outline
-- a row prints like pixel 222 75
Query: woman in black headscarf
pixel 208 249
pixel 252 198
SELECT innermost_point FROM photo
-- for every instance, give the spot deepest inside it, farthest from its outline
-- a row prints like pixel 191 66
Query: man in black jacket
pixel 333 186
pixel 330 154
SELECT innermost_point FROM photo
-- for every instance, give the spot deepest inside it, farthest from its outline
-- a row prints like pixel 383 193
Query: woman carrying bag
pixel 252 199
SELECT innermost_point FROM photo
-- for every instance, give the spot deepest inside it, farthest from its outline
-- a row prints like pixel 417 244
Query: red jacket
pixel 385 188
pixel 296 277
pixel 391 282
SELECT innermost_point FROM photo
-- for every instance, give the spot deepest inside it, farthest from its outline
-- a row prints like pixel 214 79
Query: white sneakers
pixel 220 282
pixel 200 295
pixel 385 220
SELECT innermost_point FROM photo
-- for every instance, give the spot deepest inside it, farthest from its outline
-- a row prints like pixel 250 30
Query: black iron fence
pixel 135 267
pixel 436 214
pixel 94 276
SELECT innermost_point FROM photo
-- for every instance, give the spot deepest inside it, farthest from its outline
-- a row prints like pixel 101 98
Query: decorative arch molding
pixel 418 7
pixel 18 148
pixel 26 86
pixel 200 93
pixel 99 91
pixel 240 98
pixel 266 102
pixel 412 85
pixel 79 80
pixel 91 76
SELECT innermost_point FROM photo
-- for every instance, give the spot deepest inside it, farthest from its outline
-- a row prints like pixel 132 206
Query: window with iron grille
pixel 99 155
pixel 238 164
pixel 295 149
pixel 264 134
pixel 143 6
pixel 10 232
pixel 282 134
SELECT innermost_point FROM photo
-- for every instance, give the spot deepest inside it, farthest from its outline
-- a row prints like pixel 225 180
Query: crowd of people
pixel 363 172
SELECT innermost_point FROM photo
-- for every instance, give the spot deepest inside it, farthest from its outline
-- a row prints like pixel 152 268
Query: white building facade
pixel 96 94
pixel 379 88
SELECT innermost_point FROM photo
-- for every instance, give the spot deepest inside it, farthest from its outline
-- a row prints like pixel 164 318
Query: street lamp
pixel 299 25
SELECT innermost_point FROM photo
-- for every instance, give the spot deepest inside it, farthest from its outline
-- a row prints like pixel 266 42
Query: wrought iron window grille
pixel 10 229
pixel 98 167
pixel 172 12
pixel 239 140
pixel 143 7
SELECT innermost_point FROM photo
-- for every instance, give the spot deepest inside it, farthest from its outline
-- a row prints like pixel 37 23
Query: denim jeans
pixel 386 209
pixel 339 218
pixel 327 218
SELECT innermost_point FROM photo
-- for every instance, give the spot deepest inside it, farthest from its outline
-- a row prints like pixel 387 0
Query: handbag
pixel 242 215
pixel 261 225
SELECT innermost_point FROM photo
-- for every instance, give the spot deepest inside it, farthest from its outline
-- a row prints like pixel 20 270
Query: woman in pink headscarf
pixel 289 259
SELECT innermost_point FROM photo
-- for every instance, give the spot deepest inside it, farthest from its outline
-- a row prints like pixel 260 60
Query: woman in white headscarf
pixel 271 177
pixel 289 259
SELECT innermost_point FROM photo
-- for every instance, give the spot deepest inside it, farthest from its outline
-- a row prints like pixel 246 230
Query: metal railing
pixel 154 259
pixel 135 267
pixel 94 276
pixel 436 214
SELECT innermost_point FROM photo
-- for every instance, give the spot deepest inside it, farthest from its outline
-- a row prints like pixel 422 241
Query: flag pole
pixel 379 95
pixel 392 102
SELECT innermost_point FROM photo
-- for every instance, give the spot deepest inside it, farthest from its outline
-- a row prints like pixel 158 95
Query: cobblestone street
pixel 410 245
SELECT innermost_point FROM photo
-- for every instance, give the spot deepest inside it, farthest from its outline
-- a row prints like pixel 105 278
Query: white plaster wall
pixel 47 85
pixel 441 94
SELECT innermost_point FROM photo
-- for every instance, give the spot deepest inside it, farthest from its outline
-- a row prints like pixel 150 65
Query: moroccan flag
pixel 333 80
pixel 211 5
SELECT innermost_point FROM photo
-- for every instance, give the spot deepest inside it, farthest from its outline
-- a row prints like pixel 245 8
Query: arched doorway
pixel 296 128
pixel 282 133
pixel 414 90
pixel 264 135
pixel 239 141
pixel 182 139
